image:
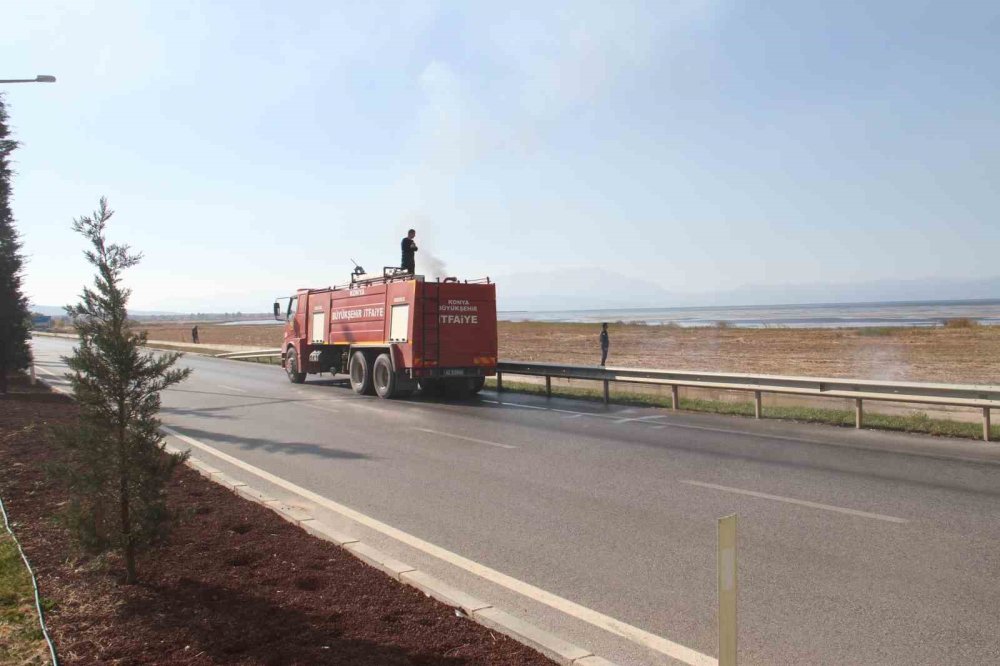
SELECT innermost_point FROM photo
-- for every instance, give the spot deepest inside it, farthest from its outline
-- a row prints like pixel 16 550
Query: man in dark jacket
pixel 409 248
pixel 605 343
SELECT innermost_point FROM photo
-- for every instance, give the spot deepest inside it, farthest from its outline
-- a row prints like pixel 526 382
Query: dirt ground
pixel 950 355
pixel 960 355
pixel 209 334
pixel 233 584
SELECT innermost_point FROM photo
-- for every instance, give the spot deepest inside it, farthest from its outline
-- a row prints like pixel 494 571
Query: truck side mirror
pixel 277 310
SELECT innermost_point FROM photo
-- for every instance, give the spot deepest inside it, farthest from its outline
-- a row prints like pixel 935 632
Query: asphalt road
pixel 854 547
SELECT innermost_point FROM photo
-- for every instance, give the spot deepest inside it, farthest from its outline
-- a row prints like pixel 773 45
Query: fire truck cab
pixel 393 333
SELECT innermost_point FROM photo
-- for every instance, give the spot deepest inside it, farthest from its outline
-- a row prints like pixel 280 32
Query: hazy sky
pixel 253 147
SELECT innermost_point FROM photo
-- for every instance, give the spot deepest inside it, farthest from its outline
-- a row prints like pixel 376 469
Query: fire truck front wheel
pixel 292 367
pixel 361 374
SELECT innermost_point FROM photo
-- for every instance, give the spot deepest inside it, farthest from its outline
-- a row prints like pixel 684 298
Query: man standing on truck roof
pixel 605 343
pixel 409 247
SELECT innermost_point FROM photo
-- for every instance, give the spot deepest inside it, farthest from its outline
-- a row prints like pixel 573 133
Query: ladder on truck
pixel 431 329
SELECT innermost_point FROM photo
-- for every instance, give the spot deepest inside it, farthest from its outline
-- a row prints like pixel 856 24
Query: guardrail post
pixel 859 413
pixel 548 386
pixel 34 379
pixel 607 392
pixel 675 401
pixel 756 404
pixel 986 423
pixel 727 590
pixel 499 381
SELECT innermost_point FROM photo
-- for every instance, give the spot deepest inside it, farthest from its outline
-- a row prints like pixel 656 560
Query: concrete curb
pixel 477 610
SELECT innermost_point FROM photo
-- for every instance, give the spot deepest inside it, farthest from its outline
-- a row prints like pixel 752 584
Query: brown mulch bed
pixel 234 583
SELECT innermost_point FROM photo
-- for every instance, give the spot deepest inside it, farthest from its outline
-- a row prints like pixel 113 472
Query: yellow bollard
pixel 727 591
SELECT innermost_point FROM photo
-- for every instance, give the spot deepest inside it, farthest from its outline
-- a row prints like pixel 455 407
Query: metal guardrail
pixel 959 395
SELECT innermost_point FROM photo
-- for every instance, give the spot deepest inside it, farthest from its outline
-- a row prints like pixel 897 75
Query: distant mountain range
pixel 153 315
pixel 58 311
pixel 599 289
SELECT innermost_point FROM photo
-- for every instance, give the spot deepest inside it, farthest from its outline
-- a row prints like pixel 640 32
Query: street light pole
pixel 41 78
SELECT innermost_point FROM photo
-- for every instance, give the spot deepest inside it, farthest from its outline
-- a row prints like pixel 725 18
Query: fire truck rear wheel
pixel 292 367
pixel 384 378
pixel 361 374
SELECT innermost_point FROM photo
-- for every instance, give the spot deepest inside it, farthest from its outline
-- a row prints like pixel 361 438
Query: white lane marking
pixel 231 388
pixel 640 419
pixel 514 404
pixel 725 431
pixel 595 618
pixel 468 439
pixel 791 500
pixel 572 416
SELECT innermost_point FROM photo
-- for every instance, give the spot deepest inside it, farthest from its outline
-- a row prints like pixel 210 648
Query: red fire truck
pixel 393 333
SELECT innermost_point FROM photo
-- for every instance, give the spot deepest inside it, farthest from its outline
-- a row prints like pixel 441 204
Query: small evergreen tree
pixel 15 354
pixel 117 466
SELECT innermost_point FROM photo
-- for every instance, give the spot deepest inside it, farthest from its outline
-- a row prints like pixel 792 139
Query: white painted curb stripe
pixel 595 618
pixel 478 611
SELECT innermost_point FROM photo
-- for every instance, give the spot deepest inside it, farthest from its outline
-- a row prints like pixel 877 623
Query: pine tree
pixel 117 466
pixel 15 354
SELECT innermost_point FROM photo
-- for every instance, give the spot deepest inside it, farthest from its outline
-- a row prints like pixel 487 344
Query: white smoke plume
pixel 430 266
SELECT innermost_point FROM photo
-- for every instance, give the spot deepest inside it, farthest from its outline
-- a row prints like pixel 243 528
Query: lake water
pixel 253 322
pixel 824 315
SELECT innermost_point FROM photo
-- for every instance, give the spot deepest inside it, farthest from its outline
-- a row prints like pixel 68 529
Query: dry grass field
pixel 952 355
pixel 958 354
pixel 217 334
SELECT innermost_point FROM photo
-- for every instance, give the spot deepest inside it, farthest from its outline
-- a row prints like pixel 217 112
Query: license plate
pixel 452 373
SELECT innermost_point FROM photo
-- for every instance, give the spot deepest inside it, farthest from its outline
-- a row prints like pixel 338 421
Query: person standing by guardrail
pixel 605 343
pixel 194 335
